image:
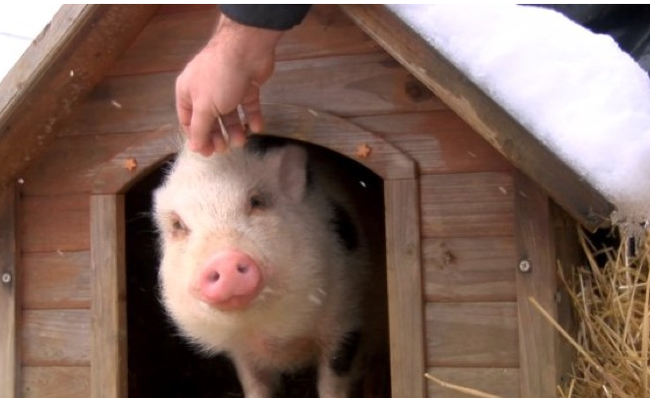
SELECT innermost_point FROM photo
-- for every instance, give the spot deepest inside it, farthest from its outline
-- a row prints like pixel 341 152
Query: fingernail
pixel 238 141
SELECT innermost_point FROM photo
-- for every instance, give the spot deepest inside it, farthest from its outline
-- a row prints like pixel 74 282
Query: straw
pixel 612 306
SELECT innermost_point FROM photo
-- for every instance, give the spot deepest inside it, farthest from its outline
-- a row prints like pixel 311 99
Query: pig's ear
pixel 292 171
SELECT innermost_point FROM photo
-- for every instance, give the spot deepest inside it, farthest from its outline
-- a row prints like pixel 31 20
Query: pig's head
pixel 241 238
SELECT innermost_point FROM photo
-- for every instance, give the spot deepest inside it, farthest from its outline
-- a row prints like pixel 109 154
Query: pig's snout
pixel 229 281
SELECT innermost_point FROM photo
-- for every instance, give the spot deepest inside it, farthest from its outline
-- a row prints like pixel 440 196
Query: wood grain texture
pixel 55 223
pixel 537 338
pixel 467 205
pixel 339 135
pixel 353 85
pixel 472 335
pixel 10 295
pixel 569 255
pixel 503 382
pixel 56 72
pixel 172 38
pixel 56 382
pixel 97 164
pixel 479 269
pixel 480 111
pixel 56 280
pixel 403 261
pixel 439 141
pixel 109 334
pixel 56 337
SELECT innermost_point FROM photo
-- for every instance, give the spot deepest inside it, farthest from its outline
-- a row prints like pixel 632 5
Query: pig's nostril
pixel 242 268
pixel 213 277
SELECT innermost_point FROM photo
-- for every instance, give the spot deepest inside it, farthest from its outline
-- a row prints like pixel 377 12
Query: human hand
pixel 226 74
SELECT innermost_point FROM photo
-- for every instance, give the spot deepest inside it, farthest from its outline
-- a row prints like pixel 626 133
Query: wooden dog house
pixel 477 211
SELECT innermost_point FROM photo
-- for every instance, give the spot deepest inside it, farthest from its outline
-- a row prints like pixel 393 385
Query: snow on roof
pixel 576 91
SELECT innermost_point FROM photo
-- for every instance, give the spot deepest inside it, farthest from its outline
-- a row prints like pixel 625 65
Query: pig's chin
pixel 233 304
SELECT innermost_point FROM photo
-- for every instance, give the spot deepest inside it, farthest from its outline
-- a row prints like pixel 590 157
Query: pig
pixel 263 259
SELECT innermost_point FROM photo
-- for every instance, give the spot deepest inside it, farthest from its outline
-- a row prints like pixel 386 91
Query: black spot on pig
pixel 341 362
pixel 261 144
pixel 344 227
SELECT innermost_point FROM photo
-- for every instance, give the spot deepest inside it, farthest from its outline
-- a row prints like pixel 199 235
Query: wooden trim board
pixel 404 278
pixel 10 306
pixel 538 341
pixel 108 292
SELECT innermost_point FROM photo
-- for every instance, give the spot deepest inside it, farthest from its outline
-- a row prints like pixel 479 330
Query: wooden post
pixel 404 278
pixel 10 367
pixel 109 345
pixel 536 278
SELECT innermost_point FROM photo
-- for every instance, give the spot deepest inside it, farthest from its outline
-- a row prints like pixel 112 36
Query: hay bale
pixel 612 307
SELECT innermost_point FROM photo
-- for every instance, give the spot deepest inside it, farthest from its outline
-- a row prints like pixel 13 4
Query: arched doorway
pixel 402 248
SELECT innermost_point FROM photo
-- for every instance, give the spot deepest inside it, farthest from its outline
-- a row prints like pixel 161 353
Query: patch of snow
pixel 577 91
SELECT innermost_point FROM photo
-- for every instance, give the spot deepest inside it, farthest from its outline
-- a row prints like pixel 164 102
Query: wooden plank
pixel 339 135
pixel 56 280
pixel 85 164
pixel 56 337
pixel 325 31
pixel 352 85
pixel 97 164
pixel 56 72
pixel 481 112
pixel 55 223
pixel 502 382
pixel 467 205
pixel 109 334
pixel 10 294
pixel 405 309
pixel 168 42
pixel 470 269
pixel 440 141
pixel 569 255
pixel 537 338
pixel 56 382
pixel 171 39
pixel 472 335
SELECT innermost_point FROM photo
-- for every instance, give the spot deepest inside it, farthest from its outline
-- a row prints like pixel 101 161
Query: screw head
pixel 525 266
pixel 6 278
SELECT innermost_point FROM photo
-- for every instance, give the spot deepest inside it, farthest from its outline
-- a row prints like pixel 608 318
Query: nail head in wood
pixel 525 266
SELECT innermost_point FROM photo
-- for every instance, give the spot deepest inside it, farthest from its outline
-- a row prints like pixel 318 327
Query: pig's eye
pixel 179 228
pixel 258 202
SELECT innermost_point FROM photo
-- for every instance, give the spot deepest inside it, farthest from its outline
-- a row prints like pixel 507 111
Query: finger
pixel 234 129
pixel 253 110
pixel 184 112
pixel 205 133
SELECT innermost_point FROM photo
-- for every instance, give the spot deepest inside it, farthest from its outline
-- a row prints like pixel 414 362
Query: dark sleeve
pixel 267 16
